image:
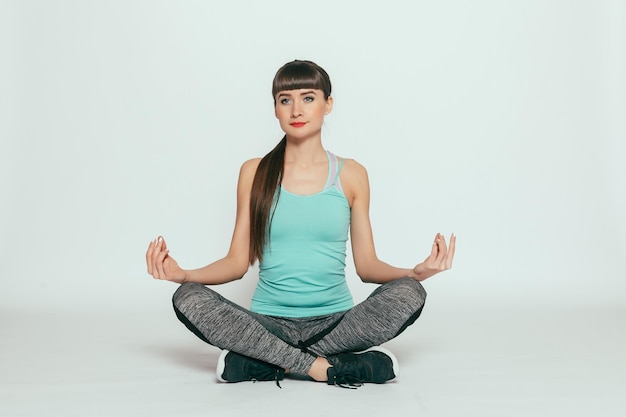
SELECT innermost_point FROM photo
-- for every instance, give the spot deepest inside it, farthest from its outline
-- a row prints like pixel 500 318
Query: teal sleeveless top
pixel 303 269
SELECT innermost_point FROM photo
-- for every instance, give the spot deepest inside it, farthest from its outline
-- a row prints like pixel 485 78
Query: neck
pixel 305 152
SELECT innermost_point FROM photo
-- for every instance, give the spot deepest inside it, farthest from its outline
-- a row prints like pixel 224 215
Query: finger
pixel 434 249
pixel 163 244
pixel 149 256
pixel 160 263
pixel 156 254
pixel 443 249
pixel 451 250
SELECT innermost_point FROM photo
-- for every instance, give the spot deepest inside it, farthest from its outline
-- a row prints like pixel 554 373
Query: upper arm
pixel 240 244
pixel 356 186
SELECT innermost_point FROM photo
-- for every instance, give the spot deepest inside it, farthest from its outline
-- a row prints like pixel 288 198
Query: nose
pixel 296 110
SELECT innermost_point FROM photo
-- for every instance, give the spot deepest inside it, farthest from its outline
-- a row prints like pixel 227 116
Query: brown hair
pixel 263 198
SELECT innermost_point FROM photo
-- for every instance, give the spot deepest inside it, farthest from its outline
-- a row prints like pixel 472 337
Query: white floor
pixel 474 363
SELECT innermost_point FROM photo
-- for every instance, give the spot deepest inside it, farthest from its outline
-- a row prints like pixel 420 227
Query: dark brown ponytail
pixel 268 177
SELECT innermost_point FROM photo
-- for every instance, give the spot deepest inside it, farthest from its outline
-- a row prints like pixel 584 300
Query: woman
pixel 295 207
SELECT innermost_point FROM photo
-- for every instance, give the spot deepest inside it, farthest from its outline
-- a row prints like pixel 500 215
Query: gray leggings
pixel 294 343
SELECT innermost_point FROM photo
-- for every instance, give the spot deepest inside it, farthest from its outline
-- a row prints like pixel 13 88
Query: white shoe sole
pixel 221 364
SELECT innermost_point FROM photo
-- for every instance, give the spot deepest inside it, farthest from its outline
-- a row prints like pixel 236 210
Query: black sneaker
pixel 350 370
pixel 233 367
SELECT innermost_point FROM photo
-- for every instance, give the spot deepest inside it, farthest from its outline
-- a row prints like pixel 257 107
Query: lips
pixel 297 124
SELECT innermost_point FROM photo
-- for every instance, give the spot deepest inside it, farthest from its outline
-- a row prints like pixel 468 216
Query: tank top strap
pixel 334 169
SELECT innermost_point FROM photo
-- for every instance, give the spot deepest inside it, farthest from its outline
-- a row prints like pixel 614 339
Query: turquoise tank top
pixel 303 269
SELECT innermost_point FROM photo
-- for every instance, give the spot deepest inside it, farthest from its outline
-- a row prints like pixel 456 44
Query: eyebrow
pixel 304 93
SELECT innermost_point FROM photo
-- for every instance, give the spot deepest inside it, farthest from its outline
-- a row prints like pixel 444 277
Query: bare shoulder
pixel 354 180
pixel 248 168
pixel 250 164
pixel 353 171
pixel 247 173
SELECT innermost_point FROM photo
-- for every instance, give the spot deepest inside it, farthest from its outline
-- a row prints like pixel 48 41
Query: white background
pixel 500 121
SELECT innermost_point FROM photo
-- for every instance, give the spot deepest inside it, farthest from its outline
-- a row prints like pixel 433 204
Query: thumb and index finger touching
pixel 157 251
pixel 441 251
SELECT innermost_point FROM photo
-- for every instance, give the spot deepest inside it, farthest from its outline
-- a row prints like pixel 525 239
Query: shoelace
pixel 276 379
pixel 347 381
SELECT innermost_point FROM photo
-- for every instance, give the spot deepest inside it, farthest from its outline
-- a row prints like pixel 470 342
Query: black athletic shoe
pixel 351 370
pixel 233 367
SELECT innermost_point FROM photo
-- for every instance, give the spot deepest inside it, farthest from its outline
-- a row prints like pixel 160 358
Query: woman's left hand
pixel 440 258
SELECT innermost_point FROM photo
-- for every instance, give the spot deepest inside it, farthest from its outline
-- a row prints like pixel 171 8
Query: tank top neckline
pixel 332 178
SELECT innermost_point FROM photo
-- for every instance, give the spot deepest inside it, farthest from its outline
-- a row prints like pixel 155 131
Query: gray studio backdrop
pixel 501 121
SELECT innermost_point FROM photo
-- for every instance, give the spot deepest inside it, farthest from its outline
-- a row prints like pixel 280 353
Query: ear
pixel 329 105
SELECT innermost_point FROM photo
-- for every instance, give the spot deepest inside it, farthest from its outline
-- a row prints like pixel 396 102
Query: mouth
pixel 297 124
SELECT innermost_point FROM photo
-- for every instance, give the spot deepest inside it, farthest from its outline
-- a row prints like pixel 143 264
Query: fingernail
pixel 159 241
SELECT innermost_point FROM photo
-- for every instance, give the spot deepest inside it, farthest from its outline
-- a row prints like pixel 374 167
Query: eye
pixel 284 101
pixel 309 99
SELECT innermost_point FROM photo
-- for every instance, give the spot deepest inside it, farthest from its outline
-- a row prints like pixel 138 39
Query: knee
pixel 412 293
pixel 412 290
pixel 186 292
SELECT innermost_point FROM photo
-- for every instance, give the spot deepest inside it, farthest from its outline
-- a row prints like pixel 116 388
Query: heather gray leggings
pixel 294 343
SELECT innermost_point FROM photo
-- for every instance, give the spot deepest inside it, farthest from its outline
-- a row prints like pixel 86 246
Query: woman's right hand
pixel 161 265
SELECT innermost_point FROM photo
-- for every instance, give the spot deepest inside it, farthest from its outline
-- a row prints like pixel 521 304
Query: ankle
pixel 318 370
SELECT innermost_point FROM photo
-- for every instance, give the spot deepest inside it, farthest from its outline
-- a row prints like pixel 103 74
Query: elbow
pixel 364 276
pixel 238 267
pixel 366 266
pixel 242 270
pixel 368 280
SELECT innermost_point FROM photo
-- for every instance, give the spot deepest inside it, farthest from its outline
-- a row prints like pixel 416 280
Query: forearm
pixel 379 272
pixel 221 271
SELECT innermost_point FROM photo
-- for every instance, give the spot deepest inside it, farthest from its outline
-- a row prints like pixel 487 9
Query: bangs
pixel 301 74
